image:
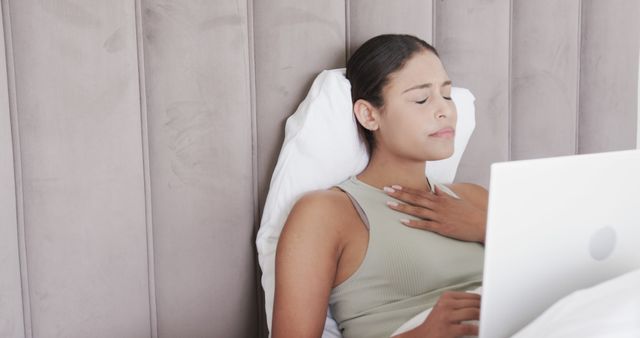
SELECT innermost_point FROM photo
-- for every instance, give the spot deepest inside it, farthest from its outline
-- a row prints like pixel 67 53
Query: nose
pixel 443 109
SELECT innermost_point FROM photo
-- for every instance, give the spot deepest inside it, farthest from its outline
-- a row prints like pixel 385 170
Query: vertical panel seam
pixel 576 131
pixel 153 314
pixel 434 23
pixel 510 85
pixel 254 120
pixel 254 166
pixel 347 30
pixel 17 171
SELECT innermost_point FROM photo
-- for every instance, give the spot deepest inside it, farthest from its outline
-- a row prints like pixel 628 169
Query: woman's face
pixel 418 119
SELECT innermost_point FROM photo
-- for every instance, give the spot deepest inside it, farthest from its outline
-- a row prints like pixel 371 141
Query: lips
pixel 446 132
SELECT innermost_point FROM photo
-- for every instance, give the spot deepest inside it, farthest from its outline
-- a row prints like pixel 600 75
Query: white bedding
pixel 609 309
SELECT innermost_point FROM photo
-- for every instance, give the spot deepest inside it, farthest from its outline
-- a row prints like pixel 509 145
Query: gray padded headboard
pixel 137 137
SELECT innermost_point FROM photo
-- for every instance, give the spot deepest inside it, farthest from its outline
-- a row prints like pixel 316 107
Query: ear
pixel 366 114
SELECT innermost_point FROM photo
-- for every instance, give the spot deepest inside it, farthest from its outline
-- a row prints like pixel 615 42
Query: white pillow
pixel 321 149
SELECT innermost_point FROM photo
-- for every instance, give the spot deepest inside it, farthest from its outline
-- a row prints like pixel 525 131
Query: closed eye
pixel 425 100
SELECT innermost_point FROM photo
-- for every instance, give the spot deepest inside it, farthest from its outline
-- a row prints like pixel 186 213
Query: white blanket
pixel 609 309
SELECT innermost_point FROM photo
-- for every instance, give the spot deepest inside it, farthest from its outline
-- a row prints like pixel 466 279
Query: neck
pixel 385 170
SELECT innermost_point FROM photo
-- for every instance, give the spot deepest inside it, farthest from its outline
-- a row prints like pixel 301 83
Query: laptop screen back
pixel 554 226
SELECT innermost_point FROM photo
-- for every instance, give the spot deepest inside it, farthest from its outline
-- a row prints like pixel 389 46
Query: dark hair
pixel 368 69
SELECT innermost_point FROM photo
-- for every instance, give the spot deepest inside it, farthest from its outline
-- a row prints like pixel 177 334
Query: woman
pixel 387 244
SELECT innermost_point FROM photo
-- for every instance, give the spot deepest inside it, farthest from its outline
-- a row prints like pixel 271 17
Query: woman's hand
pixel 447 317
pixel 463 219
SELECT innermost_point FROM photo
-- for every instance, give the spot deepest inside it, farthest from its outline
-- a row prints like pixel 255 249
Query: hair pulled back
pixel 369 68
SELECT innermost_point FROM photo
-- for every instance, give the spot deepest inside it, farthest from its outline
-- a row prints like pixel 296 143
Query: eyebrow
pixel 426 85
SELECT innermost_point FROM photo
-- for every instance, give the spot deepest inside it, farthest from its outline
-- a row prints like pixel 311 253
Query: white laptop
pixel 556 225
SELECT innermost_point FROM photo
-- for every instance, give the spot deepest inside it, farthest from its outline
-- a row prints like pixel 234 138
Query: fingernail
pixel 397 187
pixel 392 203
pixel 404 221
pixel 387 189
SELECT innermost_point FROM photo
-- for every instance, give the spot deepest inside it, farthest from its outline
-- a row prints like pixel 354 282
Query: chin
pixel 441 154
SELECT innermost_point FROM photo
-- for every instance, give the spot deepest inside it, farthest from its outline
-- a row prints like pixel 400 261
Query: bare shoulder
pixel 474 193
pixel 319 213
pixel 307 259
pixel 321 200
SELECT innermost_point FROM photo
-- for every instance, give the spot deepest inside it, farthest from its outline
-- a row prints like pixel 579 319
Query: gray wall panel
pixel 199 113
pixel 544 78
pixel 294 41
pixel 472 38
pixel 608 75
pixel 78 112
pixel 368 18
pixel 11 317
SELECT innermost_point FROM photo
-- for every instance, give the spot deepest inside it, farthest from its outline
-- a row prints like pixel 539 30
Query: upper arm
pixel 306 263
pixel 473 193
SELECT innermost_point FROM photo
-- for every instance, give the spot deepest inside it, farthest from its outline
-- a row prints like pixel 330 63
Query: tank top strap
pixel 446 190
pixel 356 205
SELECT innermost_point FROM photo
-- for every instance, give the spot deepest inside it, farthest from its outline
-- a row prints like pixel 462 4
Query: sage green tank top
pixel 404 271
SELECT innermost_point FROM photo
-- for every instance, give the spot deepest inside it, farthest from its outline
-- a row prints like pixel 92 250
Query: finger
pixel 411 198
pixel 426 193
pixel 458 316
pixel 413 210
pixel 466 303
pixel 432 226
pixel 427 198
pixel 439 192
pixel 456 300
pixel 465 330
pixel 461 295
